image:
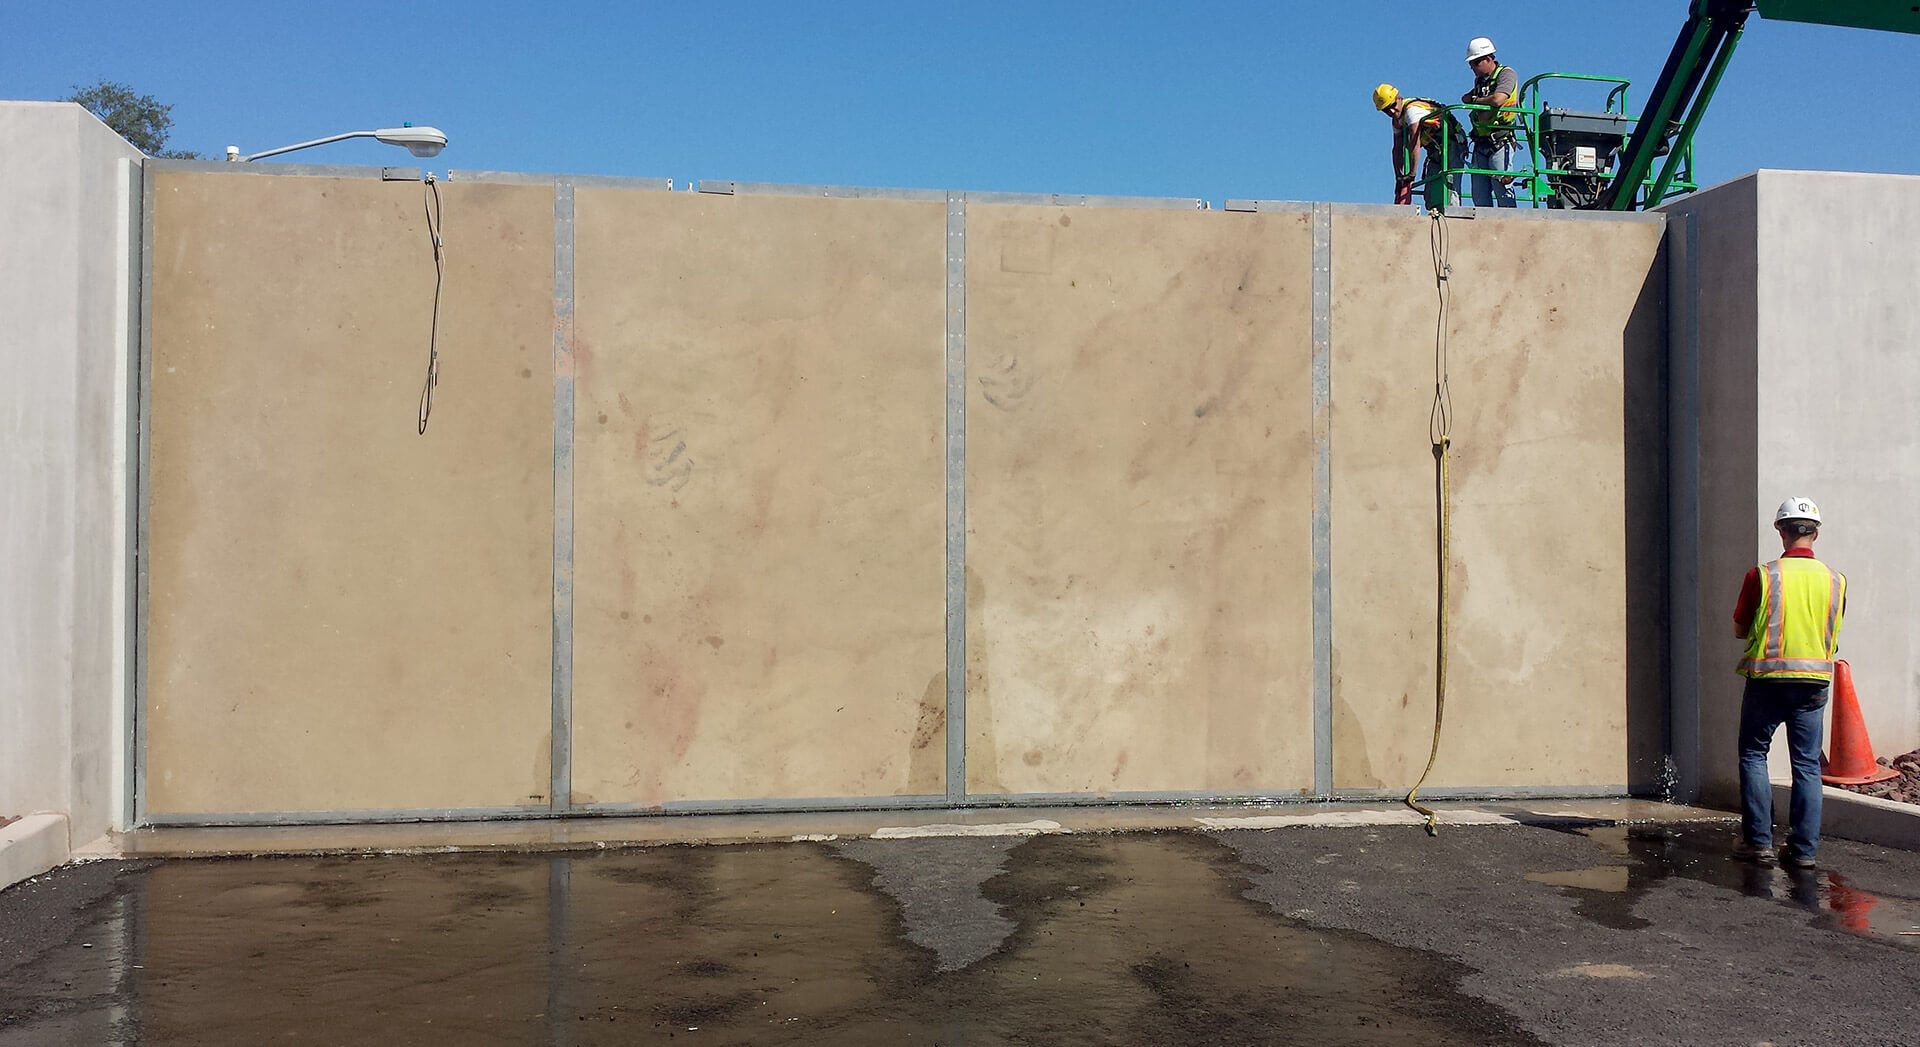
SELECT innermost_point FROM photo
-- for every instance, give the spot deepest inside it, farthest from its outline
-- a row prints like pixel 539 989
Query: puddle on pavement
pixel 1608 894
pixel 1125 939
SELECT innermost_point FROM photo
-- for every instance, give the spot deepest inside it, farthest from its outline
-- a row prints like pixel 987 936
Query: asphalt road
pixel 1487 935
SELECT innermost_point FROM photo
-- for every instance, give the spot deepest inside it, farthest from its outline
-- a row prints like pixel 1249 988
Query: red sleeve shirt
pixel 1750 594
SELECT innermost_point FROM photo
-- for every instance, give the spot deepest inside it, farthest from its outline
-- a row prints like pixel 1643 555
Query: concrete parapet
pixel 31 846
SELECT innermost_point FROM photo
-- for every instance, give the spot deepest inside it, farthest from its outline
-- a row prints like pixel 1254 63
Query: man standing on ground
pixel 1789 614
pixel 1418 126
pixel 1493 146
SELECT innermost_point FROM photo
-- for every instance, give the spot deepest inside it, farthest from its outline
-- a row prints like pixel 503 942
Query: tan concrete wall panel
pixel 346 615
pixel 1139 500
pixel 759 497
pixel 1543 330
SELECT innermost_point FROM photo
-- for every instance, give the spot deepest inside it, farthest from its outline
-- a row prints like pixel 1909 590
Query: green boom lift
pixel 1693 70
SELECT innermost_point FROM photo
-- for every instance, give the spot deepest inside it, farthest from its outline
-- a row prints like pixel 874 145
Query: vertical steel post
pixel 1323 500
pixel 956 496
pixel 560 741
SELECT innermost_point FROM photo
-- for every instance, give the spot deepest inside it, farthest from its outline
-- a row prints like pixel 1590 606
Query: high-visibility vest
pixel 1796 627
pixel 1487 122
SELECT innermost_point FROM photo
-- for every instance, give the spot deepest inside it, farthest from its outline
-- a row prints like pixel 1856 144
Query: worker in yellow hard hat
pixel 1422 125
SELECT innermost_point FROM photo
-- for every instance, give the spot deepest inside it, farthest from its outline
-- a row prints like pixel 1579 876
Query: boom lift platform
pixel 1606 160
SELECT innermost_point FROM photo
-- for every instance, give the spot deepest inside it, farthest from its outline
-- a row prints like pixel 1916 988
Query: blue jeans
pixel 1487 189
pixel 1766 705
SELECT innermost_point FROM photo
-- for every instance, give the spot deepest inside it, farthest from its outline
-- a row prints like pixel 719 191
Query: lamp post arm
pixel 304 145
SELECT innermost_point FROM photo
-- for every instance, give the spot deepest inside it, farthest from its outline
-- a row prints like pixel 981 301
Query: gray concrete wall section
pixel 63 284
pixel 1838 325
pixel 1727 326
pixel 1806 327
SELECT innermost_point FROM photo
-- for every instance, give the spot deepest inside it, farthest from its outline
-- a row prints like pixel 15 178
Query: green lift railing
pixel 1568 156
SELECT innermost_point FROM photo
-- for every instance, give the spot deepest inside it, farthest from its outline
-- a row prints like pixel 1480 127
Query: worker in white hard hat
pixel 1494 85
pixel 1421 126
pixel 1789 615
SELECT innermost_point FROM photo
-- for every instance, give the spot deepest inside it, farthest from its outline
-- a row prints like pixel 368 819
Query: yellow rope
pixel 1440 432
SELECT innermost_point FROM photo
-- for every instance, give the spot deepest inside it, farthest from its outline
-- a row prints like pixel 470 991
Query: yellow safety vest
pixel 1432 126
pixel 1796 627
pixel 1487 123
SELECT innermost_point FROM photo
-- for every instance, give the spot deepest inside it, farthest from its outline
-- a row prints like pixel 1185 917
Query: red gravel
pixel 1905 789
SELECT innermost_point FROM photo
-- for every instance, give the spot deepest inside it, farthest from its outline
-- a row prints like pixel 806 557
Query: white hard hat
pixel 1478 47
pixel 1797 509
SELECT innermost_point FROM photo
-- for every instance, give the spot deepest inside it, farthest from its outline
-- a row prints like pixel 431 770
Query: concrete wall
pixel 685 500
pixel 1555 640
pixel 1139 501
pixel 66 190
pixel 344 613
pixel 1807 328
pixel 758 498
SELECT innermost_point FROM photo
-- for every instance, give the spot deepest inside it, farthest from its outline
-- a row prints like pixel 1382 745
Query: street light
pixel 420 141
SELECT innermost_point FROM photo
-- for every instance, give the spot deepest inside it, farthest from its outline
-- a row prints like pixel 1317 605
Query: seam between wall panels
pixel 956 484
pixel 1322 499
pixel 560 748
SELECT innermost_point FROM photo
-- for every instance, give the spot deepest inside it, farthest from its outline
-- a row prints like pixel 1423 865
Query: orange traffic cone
pixel 1852 762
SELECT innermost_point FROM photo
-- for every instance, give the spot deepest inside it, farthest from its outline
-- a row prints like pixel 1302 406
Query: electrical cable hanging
pixel 1440 432
pixel 431 202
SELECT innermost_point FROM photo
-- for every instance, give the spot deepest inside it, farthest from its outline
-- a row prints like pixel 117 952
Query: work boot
pixel 1795 861
pixel 1746 852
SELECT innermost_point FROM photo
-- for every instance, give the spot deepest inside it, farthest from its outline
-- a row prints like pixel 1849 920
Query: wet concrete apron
pixel 1313 936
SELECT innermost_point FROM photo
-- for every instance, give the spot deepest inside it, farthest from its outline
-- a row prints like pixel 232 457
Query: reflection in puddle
pixel 1138 939
pixel 1609 878
pixel 1607 894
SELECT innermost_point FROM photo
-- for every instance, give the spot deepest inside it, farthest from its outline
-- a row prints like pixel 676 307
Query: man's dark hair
pixel 1799 528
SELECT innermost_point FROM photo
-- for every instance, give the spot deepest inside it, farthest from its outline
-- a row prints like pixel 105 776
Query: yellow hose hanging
pixel 1440 432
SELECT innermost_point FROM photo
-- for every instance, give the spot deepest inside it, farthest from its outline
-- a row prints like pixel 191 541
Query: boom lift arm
pixel 1678 101
pixel 1693 70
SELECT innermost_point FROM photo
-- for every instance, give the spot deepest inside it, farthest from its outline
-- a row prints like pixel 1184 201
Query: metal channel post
pixel 560 792
pixel 1323 499
pixel 956 496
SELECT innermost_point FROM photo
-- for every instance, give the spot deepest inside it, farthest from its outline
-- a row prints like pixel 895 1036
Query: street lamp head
pixel 420 141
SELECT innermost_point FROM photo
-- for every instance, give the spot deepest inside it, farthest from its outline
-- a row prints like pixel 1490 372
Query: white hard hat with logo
pixel 1797 509
pixel 1478 47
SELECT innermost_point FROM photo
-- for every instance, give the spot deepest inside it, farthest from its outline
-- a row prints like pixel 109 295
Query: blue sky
pixel 1215 100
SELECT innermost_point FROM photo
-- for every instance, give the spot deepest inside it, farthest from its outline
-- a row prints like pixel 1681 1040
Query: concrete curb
pixel 31 846
pixel 592 834
pixel 1851 816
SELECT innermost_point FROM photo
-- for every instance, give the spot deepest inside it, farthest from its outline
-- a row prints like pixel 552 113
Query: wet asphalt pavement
pixel 1488 935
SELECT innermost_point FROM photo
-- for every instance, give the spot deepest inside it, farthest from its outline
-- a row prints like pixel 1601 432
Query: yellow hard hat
pixel 1385 95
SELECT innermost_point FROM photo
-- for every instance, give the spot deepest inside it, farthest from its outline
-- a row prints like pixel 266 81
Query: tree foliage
pixel 139 119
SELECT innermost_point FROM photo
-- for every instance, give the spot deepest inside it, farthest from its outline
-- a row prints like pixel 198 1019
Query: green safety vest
pixel 1487 123
pixel 1796 627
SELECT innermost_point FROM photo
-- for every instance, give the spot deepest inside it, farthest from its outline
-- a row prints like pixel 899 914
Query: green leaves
pixel 138 118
